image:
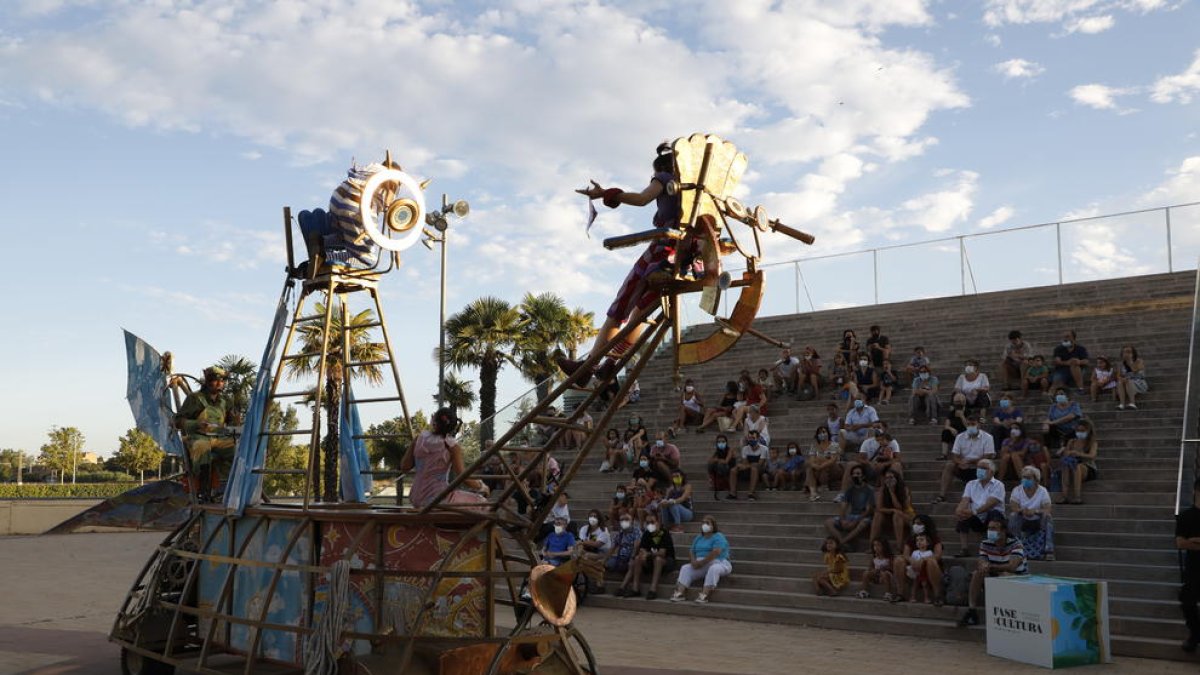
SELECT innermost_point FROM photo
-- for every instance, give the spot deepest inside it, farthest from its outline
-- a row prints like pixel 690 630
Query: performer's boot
pixel 606 369
pixel 568 366
pixel 204 495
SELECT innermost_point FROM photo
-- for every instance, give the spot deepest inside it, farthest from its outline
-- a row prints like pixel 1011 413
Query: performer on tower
pixel 204 418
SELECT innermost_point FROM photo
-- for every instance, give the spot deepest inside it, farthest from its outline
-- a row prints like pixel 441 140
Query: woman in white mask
pixel 708 559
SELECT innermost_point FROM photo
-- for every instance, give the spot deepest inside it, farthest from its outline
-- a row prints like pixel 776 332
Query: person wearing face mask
pixel 974 385
pixel 640 437
pixel 910 569
pixel 655 555
pixel 793 468
pixel 970 446
pixel 1077 461
pixel 753 462
pixel 866 378
pixel 893 507
pixel 1004 415
pixel 841 378
pixel 560 510
pixel 622 501
pixel 593 544
pixel 723 409
pixel 676 505
pixel 983 498
pixel 624 543
pixel 757 421
pixel 558 545
pixel 708 559
pixel 858 506
pixel 785 372
pixel 923 402
pixel 756 398
pixel 1015 452
pixel 810 372
pixel 1029 516
pixel 1070 358
pixel 664 457
pixel 1000 555
pixel 859 418
pixel 917 361
pixel 1061 419
pixel 720 463
pixel 823 466
pixel 691 409
pixel 1187 540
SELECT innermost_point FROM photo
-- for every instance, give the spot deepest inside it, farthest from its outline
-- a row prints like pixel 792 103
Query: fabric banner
pixel 353 455
pixel 148 395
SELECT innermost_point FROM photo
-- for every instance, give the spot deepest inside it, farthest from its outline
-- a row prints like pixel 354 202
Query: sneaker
pixel 933 421
pixel 839 499
pixel 678 596
pixel 731 497
pixel 1132 406
pixel 604 467
pixel 912 421
pixel 971 618
pixel 702 598
pixel 651 595
pixel 752 497
pixel 1120 406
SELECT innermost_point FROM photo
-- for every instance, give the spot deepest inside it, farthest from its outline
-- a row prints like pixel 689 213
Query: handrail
pixel 1184 440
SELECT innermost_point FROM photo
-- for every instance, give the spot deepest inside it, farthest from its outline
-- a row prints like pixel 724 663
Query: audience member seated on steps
pixel 1070 358
pixel 622 501
pixel 882 452
pixel 676 505
pixel 1061 419
pixel 879 347
pixel 917 361
pixel 561 509
pixel 1000 555
pixel 640 436
pixel 841 380
pixel 664 456
pixel 755 397
pixel 893 508
pixel 983 498
pixel 624 544
pixel 810 371
pixel 1015 360
pixel 575 438
pixel 655 555
pixel 955 422
pixel 924 567
pixel 859 418
pixel 691 409
pixel 833 422
pixel 772 473
pixel 878 571
pixel 614 453
pixel 823 466
pixel 1029 516
pixel 764 381
pixel 836 575
pixel 924 583
pixel 889 382
pixel 866 380
pixel 1187 540
pixel 1104 379
pixel 714 414
pixel 862 460
pixel 1005 413
pixel 559 544
pixel 858 505
pixel 975 386
pixel 923 401
pixel 786 372
pixel 970 446
pixel 849 347
pixel 756 421
pixel 594 540
pixel 793 468
pixel 709 559
pixel 1131 378
pixel 753 462
pixel 720 463
pixel 1077 461
pixel 1037 376
pixel 1014 452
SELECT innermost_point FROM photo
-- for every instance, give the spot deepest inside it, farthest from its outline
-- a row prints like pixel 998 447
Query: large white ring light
pixel 370 219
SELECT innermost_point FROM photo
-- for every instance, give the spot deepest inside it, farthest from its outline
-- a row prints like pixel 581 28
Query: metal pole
pixel 796 268
pixel 875 264
pixel 442 318
pixel 1058 247
pixel 962 263
pixel 1170 261
pixel 20 458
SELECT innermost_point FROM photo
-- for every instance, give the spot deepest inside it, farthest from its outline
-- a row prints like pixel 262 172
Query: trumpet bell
pixel 461 208
pixel 401 215
pixel 552 592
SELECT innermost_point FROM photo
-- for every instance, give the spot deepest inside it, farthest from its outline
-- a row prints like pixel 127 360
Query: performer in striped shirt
pixel 1000 555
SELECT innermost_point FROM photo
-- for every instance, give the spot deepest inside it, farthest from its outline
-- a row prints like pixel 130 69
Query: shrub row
pixel 54 490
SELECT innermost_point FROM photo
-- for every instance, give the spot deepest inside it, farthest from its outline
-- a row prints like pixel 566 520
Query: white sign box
pixel 1048 621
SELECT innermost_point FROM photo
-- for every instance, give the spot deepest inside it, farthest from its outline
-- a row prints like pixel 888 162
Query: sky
pixel 147 148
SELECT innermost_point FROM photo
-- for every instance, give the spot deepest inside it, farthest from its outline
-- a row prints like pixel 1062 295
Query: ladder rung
pixel 302 355
pixel 291 394
pixel 356 364
pixel 306 319
pixel 559 422
pixel 376 400
pixel 518 448
pixel 297 432
pixel 385 474
pixel 282 472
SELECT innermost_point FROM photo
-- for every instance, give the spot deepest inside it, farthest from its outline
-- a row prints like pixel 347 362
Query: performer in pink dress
pixel 434 453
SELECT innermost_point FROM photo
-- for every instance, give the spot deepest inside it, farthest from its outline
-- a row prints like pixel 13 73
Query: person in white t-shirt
pixel 786 372
pixel 1029 516
pixel 970 446
pixel 858 419
pixel 983 499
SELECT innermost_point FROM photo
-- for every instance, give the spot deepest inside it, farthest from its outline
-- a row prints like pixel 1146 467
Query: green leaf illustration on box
pixel 1076 625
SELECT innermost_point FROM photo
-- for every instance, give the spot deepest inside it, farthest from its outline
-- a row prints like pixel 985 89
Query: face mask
pixel 593 521
pixel 1004 403
pixel 923 376
pixel 918 528
pixel 857 480
pixel 1066 343
pixel 644 463
pixel 753 442
pixel 973 431
pixel 822 436
pixel 969 369
pixel 993 535
pixel 981 474
pixel 705 528
pixel 1028 483
pixel 633 421
pixel 689 389
pixel 1015 433
pixel 559 529
pixel 862 364
pixel 1060 398
pixel 621 494
pixel 1081 435
pixel 741 387
pixel 792 451
pixel 660 442
pixel 858 405
pixel 625 524
pixel 678 480
pixel 721 445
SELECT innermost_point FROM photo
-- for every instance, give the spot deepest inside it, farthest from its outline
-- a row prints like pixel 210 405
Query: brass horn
pixel 552 588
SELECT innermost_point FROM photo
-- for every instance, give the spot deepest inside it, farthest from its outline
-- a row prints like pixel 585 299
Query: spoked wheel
pixel 571 656
pixel 133 663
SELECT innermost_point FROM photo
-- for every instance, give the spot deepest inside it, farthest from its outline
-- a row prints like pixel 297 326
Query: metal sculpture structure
pixel 334 583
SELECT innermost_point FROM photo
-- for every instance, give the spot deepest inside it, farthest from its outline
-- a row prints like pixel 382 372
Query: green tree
pixel 483 335
pixel 397 438
pixel 581 328
pixel 14 464
pixel 283 454
pixel 138 452
pixel 456 393
pixel 61 452
pixel 239 383
pixel 361 349
pixel 544 323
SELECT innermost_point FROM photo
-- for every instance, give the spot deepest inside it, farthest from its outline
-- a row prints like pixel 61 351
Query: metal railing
pixel 1189 437
pixel 1072 250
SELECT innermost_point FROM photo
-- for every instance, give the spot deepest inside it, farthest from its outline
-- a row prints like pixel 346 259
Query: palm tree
pixel 483 335
pixel 361 349
pixel 239 381
pixel 456 393
pixel 581 327
pixel 544 322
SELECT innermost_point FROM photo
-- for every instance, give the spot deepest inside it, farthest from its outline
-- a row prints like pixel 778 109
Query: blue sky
pixel 149 147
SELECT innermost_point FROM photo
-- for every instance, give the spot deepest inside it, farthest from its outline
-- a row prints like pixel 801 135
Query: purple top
pixel 670 208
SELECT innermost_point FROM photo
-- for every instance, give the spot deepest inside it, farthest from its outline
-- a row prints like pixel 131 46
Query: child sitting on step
pixel 837 569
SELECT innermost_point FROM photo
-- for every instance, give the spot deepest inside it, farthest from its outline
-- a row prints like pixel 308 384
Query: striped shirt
pixel 349 243
pixel 1002 553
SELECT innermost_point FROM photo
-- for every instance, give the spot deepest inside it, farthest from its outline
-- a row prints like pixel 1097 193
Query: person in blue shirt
pixel 709 560
pixel 556 549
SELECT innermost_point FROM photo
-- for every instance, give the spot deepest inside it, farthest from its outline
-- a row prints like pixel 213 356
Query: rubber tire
pixel 133 663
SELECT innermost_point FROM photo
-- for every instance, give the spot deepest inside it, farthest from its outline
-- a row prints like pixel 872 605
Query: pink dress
pixel 431 462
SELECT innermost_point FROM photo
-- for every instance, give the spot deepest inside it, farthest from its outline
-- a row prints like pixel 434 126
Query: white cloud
pixel 998 217
pixel 252 155
pixel 1098 96
pixel 941 210
pixel 1179 87
pixel 992 39
pixel 1076 16
pixel 1090 24
pixel 1019 68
